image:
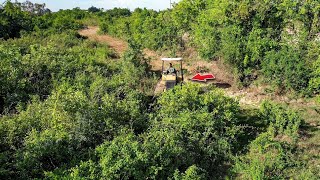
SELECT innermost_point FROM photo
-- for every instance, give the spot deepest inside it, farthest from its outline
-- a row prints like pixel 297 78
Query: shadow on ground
pixel 222 85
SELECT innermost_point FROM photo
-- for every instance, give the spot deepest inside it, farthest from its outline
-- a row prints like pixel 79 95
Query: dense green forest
pixel 73 109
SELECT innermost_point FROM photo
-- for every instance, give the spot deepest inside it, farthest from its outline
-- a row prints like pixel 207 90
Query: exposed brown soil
pixel 116 44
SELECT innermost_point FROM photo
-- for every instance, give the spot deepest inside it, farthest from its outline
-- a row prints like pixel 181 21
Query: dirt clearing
pixel 116 44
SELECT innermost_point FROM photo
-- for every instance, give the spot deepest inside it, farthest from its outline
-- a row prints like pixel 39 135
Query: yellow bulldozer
pixel 171 76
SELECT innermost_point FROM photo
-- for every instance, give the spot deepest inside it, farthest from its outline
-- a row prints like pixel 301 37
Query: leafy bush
pixel 34 69
pixel 286 69
pixel 190 128
pixel 266 159
pixel 45 151
pixel 60 94
pixel 93 9
pixel 314 83
pixel 272 152
pixel 285 122
pixel 13 20
pixel 193 172
pixel 122 158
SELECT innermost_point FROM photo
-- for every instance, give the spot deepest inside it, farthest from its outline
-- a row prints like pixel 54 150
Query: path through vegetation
pixel 116 44
pixel 224 79
pixel 252 96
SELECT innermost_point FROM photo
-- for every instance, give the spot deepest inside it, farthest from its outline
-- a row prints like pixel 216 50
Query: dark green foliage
pixel 286 69
pixel 194 132
pixel 193 172
pixel 176 140
pixel 272 152
pixel 122 158
pixel 65 97
pixel 44 151
pixel 33 71
pixel 267 159
pixel 93 9
pixel 13 20
pixel 200 127
pixel 314 83
pixel 147 27
pixel 118 12
pixel 284 122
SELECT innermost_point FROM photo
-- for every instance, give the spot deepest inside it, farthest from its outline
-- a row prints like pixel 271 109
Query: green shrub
pixel 13 20
pixel 192 173
pixel 314 83
pixel 35 68
pixel 266 159
pixel 285 122
pixel 197 124
pixel 286 69
pixel 62 92
pixel 122 158
pixel 44 151
pixel 196 142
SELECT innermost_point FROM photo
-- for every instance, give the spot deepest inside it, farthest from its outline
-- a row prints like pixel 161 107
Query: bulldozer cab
pixel 171 76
